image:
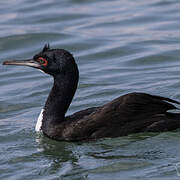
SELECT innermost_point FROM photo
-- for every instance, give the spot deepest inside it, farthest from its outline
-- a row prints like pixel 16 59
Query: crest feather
pixel 46 47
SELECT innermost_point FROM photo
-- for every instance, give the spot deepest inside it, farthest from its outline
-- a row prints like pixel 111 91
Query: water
pixel 120 46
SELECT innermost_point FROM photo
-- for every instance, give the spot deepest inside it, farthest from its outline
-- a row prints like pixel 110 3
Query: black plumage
pixel 130 113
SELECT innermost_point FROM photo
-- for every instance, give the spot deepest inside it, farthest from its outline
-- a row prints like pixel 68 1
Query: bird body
pixel 130 113
pixel 127 114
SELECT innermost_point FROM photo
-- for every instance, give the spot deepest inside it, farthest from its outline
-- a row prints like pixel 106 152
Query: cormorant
pixel 130 113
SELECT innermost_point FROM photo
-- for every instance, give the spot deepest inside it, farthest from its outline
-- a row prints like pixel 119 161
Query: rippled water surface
pixel 120 46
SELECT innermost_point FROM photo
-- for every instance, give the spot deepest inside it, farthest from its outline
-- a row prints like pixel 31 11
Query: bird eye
pixel 42 61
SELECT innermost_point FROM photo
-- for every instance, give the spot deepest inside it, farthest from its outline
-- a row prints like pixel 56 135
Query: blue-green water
pixel 120 46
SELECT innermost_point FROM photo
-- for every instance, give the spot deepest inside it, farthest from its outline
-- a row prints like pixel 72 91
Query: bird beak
pixel 28 62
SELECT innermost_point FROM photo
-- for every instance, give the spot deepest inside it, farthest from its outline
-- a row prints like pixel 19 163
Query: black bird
pixel 130 113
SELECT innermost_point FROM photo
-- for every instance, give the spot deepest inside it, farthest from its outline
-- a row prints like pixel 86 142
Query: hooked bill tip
pixel 9 62
pixel 5 63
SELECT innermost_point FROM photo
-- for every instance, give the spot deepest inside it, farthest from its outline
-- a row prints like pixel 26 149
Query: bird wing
pixel 141 105
pixel 129 113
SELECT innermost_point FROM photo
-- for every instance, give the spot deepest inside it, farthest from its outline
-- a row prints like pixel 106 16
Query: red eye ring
pixel 42 61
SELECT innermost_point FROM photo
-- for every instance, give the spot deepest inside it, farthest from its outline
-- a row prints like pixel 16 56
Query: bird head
pixel 50 61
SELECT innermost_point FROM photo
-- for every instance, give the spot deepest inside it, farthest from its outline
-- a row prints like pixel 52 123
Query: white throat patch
pixel 39 121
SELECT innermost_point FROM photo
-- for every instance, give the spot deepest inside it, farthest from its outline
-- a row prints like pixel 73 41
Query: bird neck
pixel 59 99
